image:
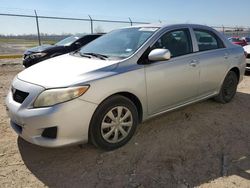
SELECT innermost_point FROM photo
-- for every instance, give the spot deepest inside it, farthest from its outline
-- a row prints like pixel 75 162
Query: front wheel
pixel 114 123
pixel 228 88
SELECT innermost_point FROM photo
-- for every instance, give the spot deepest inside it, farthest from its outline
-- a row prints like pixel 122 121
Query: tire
pixel 113 116
pixel 228 88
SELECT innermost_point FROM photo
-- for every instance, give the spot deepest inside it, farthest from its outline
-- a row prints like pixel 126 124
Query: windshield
pixel 119 43
pixel 67 41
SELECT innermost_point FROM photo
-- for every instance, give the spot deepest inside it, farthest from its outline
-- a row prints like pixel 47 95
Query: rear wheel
pixel 114 123
pixel 228 89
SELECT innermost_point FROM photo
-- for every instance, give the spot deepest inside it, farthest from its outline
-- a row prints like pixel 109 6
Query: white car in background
pixel 247 51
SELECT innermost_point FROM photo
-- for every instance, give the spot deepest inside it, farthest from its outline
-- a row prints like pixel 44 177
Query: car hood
pixel 41 48
pixel 247 49
pixel 66 70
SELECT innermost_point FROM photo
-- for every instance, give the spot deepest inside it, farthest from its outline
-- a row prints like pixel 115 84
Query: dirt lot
pixel 193 146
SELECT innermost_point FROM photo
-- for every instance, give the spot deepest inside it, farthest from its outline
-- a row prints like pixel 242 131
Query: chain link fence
pixel 45 27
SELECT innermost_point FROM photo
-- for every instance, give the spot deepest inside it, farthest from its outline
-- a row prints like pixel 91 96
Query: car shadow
pixel 187 147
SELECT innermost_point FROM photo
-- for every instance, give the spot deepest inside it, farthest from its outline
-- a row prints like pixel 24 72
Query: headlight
pixel 54 96
pixel 37 55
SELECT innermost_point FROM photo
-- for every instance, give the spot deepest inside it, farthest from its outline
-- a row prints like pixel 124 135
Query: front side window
pixel 178 42
pixel 207 40
pixel 119 43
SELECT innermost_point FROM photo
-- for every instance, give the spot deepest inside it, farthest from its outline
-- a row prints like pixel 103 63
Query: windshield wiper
pixel 100 56
pixel 77 52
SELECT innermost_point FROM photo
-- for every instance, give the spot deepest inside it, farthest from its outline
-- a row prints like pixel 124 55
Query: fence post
pixel 91 24
pixel 38 31
pixel 131 23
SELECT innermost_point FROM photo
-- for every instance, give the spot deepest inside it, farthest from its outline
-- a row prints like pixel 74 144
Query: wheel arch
pixel 237 72
pixel 134 99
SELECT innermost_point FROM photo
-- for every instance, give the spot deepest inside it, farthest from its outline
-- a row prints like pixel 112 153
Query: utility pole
pixel 38 31
pixel 91 24
pixel 131 23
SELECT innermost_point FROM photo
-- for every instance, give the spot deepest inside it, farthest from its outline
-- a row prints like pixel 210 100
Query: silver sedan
pixel 102 92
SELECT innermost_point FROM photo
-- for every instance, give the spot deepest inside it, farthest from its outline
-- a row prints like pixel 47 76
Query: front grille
pixel 18 95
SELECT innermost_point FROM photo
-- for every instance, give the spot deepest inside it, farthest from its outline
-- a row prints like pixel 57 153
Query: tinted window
pixel 207 40
pixel 177 42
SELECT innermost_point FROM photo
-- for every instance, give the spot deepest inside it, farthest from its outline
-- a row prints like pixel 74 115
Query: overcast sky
pixel 212 12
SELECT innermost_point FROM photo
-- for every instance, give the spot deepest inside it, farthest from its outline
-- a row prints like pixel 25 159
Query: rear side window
pixel 178 42
pixel 207 40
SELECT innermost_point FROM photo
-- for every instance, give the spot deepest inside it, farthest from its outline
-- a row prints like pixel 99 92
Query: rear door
pixel 213 61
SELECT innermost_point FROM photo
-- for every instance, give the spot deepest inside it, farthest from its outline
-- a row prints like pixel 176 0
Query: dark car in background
pixel 247 39
pixel 69 44
pixel 238 41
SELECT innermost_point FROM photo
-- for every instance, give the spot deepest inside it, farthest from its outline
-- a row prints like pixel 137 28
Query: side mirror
pixel 159 55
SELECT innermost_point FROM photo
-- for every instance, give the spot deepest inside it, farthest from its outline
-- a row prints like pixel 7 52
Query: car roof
pixel 162 25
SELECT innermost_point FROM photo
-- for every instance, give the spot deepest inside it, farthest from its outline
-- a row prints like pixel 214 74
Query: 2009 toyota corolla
pixel 102 92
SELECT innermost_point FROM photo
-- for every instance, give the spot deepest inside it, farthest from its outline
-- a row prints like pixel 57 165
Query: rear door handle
pixel 226 56
pixel 193 63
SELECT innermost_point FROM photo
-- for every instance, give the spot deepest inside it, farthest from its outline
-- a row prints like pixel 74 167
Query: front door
pixel 175 81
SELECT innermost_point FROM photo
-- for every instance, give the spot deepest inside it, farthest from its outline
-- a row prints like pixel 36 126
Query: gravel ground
pixel 203 145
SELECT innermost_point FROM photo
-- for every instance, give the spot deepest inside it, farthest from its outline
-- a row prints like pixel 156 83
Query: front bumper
pixel 71 118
